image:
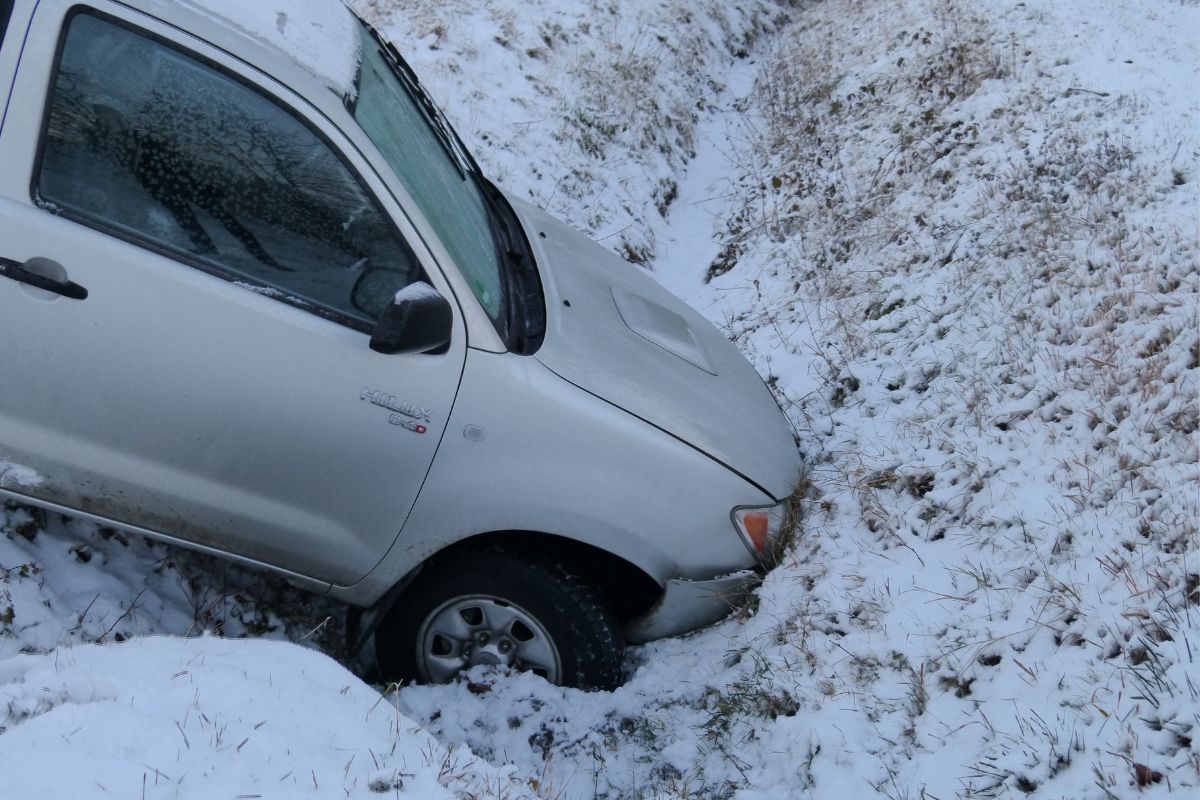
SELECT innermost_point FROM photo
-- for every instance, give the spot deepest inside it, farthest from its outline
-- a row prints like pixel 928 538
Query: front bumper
pixel 687 605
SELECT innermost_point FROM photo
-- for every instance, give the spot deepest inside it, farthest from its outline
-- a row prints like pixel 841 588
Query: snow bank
pixel 205 718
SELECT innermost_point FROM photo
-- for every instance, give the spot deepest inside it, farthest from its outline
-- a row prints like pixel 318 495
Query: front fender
pixel 525 450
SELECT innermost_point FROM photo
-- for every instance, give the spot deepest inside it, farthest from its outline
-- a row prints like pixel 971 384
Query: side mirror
pixel 418 320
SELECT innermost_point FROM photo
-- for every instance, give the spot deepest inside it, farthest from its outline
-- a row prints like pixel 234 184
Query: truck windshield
pixel 436 172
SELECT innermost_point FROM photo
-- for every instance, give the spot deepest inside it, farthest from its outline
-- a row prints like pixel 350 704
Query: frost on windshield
pixel 450 201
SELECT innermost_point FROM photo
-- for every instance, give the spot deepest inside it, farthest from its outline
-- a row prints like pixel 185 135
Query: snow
pixel 586 109
pixel 962 245
pixel 210 717
pixel 417 291
pixel 320 36
pixel 963 248
pixel 16 476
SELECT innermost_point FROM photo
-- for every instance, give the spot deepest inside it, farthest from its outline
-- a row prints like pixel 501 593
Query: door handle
pixel 15 270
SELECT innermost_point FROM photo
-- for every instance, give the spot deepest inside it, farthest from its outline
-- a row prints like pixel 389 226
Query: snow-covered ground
pixel 209 718
pixel 961 242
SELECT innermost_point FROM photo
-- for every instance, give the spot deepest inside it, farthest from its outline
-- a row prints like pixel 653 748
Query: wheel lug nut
pixel 483 638
pixel 505 647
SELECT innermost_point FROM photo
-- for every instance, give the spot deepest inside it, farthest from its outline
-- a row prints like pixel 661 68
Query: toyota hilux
pixel 259 300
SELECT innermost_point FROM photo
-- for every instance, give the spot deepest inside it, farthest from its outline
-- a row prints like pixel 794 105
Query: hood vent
pixel 663 327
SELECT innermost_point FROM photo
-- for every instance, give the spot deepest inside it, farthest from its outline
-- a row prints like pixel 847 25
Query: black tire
pixel 537 602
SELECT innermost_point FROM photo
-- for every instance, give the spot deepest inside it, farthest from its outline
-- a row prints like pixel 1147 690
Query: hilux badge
pixel 405 414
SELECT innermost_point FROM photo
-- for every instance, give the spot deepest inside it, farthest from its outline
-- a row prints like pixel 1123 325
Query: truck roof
pixel 320 36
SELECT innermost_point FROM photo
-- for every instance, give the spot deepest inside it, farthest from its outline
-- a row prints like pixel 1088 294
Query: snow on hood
pixel 321 36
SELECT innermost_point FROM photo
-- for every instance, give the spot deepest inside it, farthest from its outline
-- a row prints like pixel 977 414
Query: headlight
pixel 762 527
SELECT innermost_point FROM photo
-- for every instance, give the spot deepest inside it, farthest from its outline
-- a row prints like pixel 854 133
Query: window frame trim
pixel 274 292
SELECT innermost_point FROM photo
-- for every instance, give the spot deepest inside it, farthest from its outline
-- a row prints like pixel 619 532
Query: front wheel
pixel 493 607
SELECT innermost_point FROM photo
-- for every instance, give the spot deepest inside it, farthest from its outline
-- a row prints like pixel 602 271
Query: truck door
pixel 191 262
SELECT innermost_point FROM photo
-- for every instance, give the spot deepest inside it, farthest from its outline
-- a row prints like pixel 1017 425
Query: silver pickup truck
pixel 259 300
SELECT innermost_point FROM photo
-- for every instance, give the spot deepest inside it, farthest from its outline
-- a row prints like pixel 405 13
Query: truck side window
pixel 163 149
pixel 6 7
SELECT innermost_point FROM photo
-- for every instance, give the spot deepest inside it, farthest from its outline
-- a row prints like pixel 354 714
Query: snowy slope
pixel 587 109
pixel 963 247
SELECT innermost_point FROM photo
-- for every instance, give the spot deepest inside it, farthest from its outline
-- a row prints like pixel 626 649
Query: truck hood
pixel 614 332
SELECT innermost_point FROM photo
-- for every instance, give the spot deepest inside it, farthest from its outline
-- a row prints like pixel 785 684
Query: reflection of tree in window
pixel 167 172
pixel 167 148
